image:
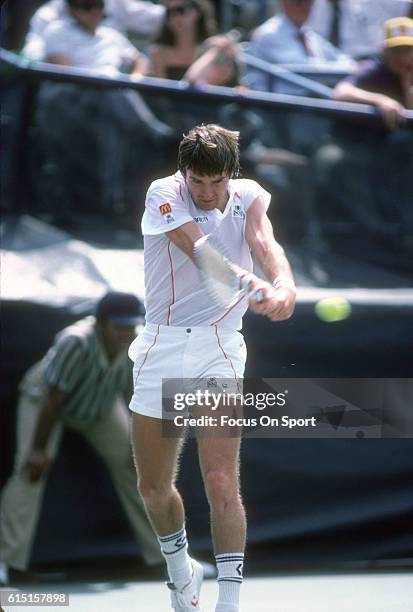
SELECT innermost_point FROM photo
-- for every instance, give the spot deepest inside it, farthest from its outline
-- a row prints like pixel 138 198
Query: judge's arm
pixel 37 461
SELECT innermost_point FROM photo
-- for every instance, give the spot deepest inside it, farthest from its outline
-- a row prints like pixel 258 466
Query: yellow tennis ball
pixel 333 309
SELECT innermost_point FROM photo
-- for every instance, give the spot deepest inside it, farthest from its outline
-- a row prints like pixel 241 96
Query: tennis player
pixel 188 336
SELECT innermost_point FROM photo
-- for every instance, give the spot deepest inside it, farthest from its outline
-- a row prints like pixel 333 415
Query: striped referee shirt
pixel 77 365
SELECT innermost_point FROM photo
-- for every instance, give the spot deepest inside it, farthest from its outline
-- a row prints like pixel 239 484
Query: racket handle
pixel 257 296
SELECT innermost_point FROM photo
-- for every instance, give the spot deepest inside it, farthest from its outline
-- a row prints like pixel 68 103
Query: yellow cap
pixel 398 32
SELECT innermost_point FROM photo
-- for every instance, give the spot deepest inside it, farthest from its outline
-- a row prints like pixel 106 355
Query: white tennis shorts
pixel 167 352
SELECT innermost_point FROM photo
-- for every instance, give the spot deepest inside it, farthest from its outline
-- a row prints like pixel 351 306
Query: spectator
pixel 79 385
pixel 288 176
pixel 387 81
pixel 186 26
pixel 118 119
pixel 219 64
pixel 186 48
pixel 369 176
pixel 127 16
pixel 82 40
pixel 288 39
pixel 355 27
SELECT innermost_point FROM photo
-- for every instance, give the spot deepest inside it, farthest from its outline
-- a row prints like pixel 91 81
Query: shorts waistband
pixel 173 330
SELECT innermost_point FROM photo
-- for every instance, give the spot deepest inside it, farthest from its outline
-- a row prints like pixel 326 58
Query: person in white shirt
pixel 118 119
pixel 134 16
pixel 82 40
pixel 355 27
pixel 287 38
pixel 187 335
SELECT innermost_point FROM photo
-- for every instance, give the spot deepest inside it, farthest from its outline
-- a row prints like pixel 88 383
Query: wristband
pixel 283 281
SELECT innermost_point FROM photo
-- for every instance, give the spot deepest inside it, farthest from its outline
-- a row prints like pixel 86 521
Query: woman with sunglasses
pixel 187 47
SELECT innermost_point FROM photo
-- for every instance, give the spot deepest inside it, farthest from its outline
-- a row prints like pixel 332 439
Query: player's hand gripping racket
pixel 221 278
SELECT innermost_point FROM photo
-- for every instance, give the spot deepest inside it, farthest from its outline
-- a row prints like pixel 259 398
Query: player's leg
pixel 157 456
pixel 225 355
pixel 219 461
pixel 110 437
pixel 156 460
pixel 21 500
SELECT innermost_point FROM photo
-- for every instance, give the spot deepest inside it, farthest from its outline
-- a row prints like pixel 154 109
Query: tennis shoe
pixel 187 599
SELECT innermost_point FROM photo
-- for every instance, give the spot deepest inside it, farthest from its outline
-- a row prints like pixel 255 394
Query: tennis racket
pixel 220 277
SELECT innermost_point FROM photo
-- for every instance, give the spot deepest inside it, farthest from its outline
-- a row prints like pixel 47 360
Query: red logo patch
pixel 165 208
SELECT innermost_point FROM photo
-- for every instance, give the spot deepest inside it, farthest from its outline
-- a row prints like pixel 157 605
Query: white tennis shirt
pixel 174 294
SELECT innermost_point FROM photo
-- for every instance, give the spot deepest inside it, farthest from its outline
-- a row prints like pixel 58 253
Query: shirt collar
pixel 290 25
pixel 104 362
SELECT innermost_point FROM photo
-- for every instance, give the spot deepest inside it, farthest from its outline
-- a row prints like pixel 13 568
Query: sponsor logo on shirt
pixel 203 219
pixel 165 208
pixel 166 212
pixel 237 211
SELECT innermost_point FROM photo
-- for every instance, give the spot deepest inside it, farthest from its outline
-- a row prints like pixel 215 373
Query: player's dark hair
pixel 209 150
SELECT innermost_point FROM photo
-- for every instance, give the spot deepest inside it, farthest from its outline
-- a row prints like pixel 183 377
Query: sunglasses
pixel 89 5
pixel 179 10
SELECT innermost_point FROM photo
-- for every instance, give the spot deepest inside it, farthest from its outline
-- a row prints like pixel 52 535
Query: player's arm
pixel 279 292
pixel 185 236
pixel 37 461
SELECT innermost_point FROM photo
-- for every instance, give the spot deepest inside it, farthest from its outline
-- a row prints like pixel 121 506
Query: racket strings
pixel 217 271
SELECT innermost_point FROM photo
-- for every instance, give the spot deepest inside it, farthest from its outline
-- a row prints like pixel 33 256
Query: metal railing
pixel 39 71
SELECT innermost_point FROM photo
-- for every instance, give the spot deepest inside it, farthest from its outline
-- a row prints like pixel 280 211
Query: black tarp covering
pixel 315 502
pixel 310 501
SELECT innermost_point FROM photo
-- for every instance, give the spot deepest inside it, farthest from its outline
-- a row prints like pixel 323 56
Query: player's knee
pixel 152 491
pixel 147 488
pixel 219 484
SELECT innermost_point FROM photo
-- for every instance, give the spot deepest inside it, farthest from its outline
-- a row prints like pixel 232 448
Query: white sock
pixel 230 566
pixel 174 548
